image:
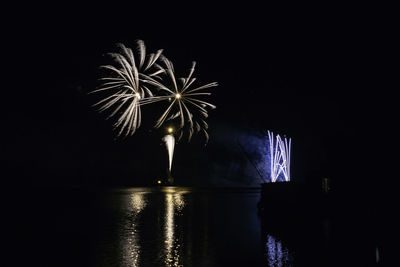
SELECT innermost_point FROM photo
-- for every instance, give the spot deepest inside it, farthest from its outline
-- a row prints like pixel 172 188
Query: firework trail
pixel 170 144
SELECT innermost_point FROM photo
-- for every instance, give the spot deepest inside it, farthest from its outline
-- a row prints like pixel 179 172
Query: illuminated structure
pixel 279 157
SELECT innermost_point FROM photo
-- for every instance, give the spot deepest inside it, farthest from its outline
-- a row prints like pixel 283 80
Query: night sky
pixel 292 70
pixel 318 74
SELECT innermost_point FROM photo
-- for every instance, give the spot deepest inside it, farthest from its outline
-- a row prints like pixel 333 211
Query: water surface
pixel 177 226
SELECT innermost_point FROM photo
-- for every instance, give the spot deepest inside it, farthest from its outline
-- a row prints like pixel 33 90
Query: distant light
pixel 170 129
pixel 325 185
pixel 158 181
pixel 138 95
pixel 177 96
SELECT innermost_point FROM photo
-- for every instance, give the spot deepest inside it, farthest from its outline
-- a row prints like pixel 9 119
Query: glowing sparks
pixel 170 143
pixel 126 87
pixel 186 104
pixel 136 81
pixel 279 150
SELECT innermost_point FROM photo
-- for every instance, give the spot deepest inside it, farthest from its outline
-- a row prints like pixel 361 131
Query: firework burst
pixel 185 101
pixel 126 87
pixel 137 79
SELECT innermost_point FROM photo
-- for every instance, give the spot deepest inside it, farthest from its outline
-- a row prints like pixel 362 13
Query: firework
pixel 186 105
pixel 136 81
pixel 125 85
pixel 170 144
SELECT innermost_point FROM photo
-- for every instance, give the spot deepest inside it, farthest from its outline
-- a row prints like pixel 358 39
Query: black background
pixel 325 68
pixel 311 72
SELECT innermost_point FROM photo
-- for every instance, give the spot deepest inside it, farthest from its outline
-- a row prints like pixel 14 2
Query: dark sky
pixel 297 70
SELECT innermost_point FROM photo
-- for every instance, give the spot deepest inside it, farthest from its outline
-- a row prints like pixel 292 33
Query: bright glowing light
pixel 170 143
pixel 136 203
pixel 174 202
pixel 279 150
pixel 186 104
pixel 135 81
pixel 179 202
pixel 170 129
pixel 158 181
pixel 169 230
pixel 127 87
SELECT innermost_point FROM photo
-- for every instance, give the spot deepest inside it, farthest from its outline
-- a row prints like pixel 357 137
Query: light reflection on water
pixel 135 202
pixel 130 244
pixel 175 226
pixel 277 254
pixel 174 206
pixel 171 226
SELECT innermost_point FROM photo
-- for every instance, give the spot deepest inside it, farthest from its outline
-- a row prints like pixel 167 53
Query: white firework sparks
pixel 127 87
pixel 170 144
pixel 135 82
pixel 185 105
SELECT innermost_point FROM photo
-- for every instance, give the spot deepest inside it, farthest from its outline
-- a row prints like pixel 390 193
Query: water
pixel 173 226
